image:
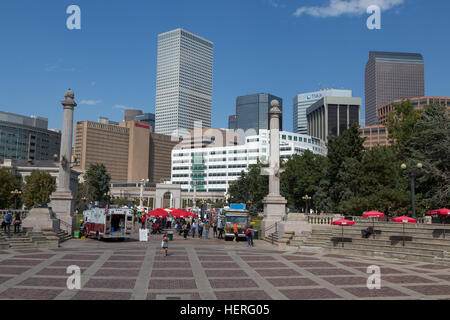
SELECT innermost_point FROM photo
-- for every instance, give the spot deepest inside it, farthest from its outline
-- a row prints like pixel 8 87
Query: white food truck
pixel 104 223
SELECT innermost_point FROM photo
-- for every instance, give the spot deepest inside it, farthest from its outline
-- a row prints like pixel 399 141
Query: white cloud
pixel 275 4
pixel 90 102
pixel 336 8
pixel 120 106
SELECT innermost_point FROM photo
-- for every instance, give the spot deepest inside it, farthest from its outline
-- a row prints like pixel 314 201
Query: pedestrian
pixel 220 227
pixel 186 228
pixel 165 243
pixel 200 229
pixel 143 221
pixel 193 227
pixel 207 227
pixel 235 231
pixel 250 235
pixel 8 220
pixel 17 223
pixel 215 228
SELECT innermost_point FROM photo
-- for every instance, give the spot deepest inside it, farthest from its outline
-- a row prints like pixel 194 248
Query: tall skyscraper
pixel 184 82
pixel 252 112
pixel 391 76
pixel 303 101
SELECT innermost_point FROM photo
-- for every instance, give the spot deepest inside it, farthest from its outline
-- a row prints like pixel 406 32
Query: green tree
pixel 97 181
pixel 301 177
pixel 38 188
pixel 345 153
pixel 81 202
pixel 251 188
pixel 429 144
pixel 401 125
pixel 8 183
pixel 378 184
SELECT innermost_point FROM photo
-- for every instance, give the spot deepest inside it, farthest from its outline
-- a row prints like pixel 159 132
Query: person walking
pixel 215 228
pixel 200 229
pixel 17 223
pixel 235 231
pixel 8 220
pixel 250 235
pixel 207 227
pixel 165 243
pixel 186 228
pixel 220 227
pixel 193 227
pixel 143 221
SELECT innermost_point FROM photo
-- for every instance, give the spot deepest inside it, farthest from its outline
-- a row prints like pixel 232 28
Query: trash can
pixel 76 234
pixel 170 234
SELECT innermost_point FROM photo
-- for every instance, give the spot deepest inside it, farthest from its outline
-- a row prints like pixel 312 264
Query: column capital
pixel 68 102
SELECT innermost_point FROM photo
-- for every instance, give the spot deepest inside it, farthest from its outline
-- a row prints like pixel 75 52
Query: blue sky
pixel 260 46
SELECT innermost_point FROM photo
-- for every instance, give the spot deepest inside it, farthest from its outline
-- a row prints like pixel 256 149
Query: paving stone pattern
pixel 209 269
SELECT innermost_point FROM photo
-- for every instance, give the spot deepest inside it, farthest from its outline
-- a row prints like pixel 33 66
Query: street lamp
pixel 16 193
pixel 412 174
pixel 141 195
pixel 307 198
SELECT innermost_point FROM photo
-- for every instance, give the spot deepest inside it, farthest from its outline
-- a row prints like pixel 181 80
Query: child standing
pixel 165 243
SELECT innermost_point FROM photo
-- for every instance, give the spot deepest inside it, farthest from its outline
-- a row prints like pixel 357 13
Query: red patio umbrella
pixel 373 214
pixel 404 220
pixel 158 213
pixel 343 223
pixel 441 212
pixel 179 213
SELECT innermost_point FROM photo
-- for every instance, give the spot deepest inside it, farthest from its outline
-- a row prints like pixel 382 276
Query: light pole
pixel 307 198
pixel 194 205
pixel 16 193
pixel 412 174
pixel 141 195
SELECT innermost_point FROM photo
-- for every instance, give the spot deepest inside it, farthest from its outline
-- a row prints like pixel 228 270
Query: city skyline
pixel 113 70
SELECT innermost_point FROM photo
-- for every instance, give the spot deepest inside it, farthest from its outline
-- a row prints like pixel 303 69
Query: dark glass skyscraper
pixel 252 112
pixel 391 76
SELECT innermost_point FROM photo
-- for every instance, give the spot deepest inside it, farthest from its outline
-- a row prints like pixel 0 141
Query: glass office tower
pixel 184 82
pixel 390 76
pixel 252 112
pixel 27 138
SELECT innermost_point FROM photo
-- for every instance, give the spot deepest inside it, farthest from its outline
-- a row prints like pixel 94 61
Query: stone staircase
pixel 272 238
pixel 29 240
pixel 424 243
pixel 63 236
pixel 17 241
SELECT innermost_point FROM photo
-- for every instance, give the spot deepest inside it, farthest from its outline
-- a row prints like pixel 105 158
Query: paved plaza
pixel 201 269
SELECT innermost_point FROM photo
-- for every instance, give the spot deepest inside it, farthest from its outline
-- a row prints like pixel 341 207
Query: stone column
pixel 274 203
pixel 63 199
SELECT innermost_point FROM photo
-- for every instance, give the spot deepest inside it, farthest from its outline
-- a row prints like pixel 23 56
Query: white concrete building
pixel 184 82
pixel 212 169
pixel 305 100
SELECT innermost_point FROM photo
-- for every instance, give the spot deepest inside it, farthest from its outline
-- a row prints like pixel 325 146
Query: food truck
pixel 239 216
pixel 104 223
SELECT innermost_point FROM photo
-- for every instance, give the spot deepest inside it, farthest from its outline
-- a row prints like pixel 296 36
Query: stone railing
pixel 323 219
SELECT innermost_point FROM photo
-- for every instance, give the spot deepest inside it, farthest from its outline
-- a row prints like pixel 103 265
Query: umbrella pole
pixel 403 234
pixel 373 228
pixel 342 236
pixel 445 217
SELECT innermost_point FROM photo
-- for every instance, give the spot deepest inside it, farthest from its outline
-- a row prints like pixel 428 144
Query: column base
pixel 63 205
pixel 274 212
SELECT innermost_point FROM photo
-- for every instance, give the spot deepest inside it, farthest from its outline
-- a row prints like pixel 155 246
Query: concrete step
pixel 410 242
pixel 395 249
